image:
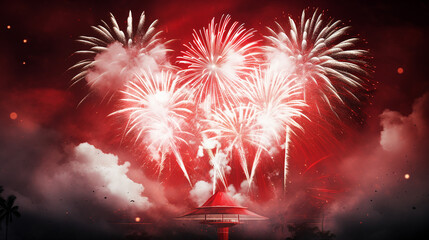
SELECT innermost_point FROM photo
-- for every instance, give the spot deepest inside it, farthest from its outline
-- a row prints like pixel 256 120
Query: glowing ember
pixel 13 115
pixel 400 70
pixel 407 176
pixel 137 219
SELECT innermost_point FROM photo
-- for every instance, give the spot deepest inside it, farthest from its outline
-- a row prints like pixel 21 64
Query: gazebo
pixel 221 211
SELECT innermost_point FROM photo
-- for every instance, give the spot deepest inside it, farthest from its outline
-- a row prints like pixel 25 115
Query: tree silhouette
pixel 7 210
pixel 305 232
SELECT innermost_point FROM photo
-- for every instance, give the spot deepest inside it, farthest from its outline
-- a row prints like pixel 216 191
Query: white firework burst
pixel 277 100
pixel 217 59
pixel 112 56
pixel 157 110
pixel 236 125
pixel 321 56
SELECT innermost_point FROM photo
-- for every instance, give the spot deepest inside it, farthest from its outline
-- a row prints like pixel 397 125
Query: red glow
pixel 339 169
pixel 13 115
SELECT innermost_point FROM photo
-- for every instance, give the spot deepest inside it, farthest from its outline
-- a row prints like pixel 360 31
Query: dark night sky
pixel 38 156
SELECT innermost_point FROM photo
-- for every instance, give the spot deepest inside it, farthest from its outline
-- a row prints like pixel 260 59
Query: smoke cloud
pixel 117 65
pixel 200 192
pixel 94 171
pixel 387 178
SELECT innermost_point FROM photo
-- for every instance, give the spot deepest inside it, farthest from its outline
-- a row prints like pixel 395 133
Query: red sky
pixel 43 166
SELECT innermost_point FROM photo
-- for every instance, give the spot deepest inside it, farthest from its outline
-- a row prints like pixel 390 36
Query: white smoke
pixel 220 162
pixel 92 173
pixel 93 162
pixel 201 191
pixel 210 143
pixel 402 132
pixel 240 197
pixel 279 61
pixel 116 66
pixel 379 192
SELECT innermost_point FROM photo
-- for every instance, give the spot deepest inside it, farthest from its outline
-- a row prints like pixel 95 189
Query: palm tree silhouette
pixel 7 210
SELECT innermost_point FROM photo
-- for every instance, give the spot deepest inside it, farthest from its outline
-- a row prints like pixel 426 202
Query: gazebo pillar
pixel 222 233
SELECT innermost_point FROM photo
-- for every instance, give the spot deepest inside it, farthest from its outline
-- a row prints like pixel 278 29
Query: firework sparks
pixel 248 101
pixel 156 110
pixel 218 161
pixel 220 167
pixel 276 98
pixel 324 61
pixel 217 60
pixel 237 125
pixel 113 56
pixel 286 162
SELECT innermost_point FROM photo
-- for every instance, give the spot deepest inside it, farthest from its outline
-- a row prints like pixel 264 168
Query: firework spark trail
pixel 113 56
pixel 217 160
pixel 322 58
pixel 236 125
pixel 249 102
pixel 217 59
pixel 275 97
pixel 255 164
pixel 216 168
pixel 286 162
pixel 156 110
pixel 219 167
pixel 161 164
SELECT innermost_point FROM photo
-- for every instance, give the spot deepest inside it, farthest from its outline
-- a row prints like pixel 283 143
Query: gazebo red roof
pixel 220 199
pixel 222 203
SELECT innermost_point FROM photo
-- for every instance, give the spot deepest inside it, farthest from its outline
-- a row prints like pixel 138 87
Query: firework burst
pixel 217 60
pixel 156 110
pixel 112 56
pixel 325 62
pixel 236 125
pixel 322 59
pixel 277 100
pixel 249 102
